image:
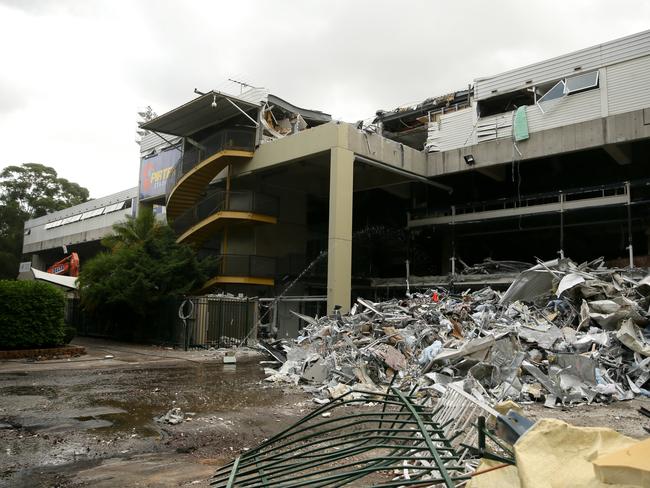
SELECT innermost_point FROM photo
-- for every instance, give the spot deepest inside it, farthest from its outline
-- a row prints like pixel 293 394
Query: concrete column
pixel 339 247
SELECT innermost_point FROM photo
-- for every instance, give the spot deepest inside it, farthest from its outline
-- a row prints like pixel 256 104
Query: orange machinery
pixel 69 266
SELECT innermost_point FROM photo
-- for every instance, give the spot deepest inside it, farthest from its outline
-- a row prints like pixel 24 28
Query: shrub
pixel 31 315
pixel 143 269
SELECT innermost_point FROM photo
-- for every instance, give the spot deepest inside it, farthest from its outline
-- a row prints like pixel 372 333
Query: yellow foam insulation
pixel 554 454
pixel 504 407
pixel 499 478
pixel 630 465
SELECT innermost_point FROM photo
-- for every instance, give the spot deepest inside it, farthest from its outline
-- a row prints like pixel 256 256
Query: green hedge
pixel 31 315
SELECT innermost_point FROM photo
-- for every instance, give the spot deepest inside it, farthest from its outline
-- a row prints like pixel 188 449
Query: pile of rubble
pixel 562 333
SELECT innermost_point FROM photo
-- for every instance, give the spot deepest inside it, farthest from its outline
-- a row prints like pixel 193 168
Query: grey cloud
pixel 11 97
pixel 375 54
pixel 346 58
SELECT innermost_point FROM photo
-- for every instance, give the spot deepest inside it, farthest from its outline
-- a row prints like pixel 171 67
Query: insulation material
pixel 630 465
pixel 492 474
pixel 521 124
pixel 555 454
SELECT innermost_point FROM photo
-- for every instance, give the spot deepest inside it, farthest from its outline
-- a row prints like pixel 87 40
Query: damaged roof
pixel 313 116
pixel 199 113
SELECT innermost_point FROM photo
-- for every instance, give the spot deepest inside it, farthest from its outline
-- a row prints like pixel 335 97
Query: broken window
pixel 552 97
pixel 582 82
pixel 564 87
pixel 506 102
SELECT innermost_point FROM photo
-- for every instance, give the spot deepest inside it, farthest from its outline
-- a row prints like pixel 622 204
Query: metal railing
pixel 333 446
pixel 241 264
pixel 224 139
pixel 238 201
pixel 530 200
pixel 221 321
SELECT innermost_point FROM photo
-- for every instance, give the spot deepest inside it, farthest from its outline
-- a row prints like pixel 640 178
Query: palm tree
pixel 134 230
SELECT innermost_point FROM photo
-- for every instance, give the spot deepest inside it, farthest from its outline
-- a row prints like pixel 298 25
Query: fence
pixel 212 321
pixel 220 321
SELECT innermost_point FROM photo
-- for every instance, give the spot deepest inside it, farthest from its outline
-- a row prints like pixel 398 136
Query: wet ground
pixel 74 426
pixel 90 421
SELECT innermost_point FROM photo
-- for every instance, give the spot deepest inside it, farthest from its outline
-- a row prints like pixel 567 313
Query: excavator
pixel 68 266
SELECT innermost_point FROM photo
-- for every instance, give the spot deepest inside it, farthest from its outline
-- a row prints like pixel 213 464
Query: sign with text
pixel 155 170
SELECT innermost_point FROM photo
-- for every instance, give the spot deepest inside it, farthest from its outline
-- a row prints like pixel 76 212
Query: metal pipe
pixel 163 138
pixel 238 108
pixel 629 223
pixel 561 225
pixel 403 172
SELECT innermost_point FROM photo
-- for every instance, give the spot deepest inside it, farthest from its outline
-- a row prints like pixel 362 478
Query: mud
pixel 95 427
pixel 90 421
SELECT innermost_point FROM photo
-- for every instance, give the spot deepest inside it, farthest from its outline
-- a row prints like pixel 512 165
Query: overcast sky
pixel 74 73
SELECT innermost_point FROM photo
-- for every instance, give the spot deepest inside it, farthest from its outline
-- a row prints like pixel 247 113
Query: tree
pixel 38 190
pixel 11 239
pixel 141 271
pixel 133 231
pixel 29 191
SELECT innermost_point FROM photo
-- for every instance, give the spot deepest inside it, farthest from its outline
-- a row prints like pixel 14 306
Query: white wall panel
pixel 628 85
pixel 571 109
pixel 619 50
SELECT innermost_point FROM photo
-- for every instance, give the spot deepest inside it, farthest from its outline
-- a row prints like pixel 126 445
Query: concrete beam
pixel 497 173
pixel 387 151
pixel 339 246
pixel 334 134
pixel 545 208
pixel 619 154
pixel 613 129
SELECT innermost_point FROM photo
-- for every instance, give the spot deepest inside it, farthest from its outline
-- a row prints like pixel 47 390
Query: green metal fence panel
pixel 394 444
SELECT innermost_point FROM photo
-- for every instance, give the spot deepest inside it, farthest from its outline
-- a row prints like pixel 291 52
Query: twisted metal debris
pixel 562 333
pixel 395 444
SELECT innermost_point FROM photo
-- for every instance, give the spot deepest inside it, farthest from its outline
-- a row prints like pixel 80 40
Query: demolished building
pixel 545 159
pixel 562 333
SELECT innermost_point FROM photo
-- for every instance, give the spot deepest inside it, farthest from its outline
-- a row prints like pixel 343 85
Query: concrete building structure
pixel 548 159
pixel 79 228
pixel 575 182
pixel 269 203
pixel 545 159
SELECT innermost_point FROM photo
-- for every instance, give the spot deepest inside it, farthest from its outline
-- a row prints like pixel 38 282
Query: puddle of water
pixel 202 389
pixel 121 401
pixel 67 420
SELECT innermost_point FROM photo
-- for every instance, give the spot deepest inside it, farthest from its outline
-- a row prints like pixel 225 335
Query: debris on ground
pixel 173 416
pixel 562 334
pixel 393 444
pixel 554 453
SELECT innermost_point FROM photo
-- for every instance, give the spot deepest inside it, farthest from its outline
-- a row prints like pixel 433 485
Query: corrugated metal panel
pixel 628 85
pixel 606 54
pixel 254 95
pixel 456 130
pixel 569 110
pixel 153 142
pixel 494 127
pixel 433 137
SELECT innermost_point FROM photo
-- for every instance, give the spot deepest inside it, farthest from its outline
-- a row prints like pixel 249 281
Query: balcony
pixel 199 165
pixel 221 208
pixel 243 270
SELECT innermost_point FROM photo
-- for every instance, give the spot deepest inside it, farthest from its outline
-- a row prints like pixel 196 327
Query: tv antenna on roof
pixel 242 85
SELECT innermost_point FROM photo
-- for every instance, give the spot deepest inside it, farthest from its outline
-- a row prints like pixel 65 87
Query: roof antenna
pixel 242 85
